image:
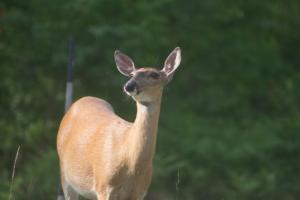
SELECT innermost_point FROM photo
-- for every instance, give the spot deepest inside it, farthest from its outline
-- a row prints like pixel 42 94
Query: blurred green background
pixel 230 119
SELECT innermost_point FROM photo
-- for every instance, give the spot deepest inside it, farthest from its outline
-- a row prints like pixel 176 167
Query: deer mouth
pixel 131 88
pixel 132 93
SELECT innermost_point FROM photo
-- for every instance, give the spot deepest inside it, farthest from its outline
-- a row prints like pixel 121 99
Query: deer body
pixel 102 156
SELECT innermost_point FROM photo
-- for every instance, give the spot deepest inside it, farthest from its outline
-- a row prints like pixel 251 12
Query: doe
pixel 103 156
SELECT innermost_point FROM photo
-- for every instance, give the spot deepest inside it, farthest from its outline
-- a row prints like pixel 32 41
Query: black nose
pixel 130 86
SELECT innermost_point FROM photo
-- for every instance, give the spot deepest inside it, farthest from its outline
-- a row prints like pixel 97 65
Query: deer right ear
pixel 171 63
pixel 124 64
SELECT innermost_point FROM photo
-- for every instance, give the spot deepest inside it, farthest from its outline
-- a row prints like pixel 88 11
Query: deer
pixel 103 156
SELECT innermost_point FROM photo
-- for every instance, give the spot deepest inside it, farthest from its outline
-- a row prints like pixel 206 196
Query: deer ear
pixel 171 63
pixel 124 64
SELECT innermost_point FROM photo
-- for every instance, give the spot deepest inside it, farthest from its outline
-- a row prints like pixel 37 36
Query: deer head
pixel 146 84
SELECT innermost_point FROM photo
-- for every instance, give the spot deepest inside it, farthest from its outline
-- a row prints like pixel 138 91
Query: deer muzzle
pixel 131 87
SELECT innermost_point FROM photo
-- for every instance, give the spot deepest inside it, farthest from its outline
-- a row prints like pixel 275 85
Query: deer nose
pixel 130 86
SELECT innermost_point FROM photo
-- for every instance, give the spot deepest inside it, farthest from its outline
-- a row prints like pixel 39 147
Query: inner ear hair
pixel 172 61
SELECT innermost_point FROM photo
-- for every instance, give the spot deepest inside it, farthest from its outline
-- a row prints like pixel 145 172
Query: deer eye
pixel 154 75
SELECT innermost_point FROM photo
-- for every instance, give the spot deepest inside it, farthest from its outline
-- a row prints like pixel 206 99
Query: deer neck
pixel 142 137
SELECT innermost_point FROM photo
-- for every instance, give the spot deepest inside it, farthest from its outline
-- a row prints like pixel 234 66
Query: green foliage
pixel 230 120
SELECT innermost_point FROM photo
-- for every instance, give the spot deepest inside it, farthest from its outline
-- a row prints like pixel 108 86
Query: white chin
pixel 138 97
pixel 133 93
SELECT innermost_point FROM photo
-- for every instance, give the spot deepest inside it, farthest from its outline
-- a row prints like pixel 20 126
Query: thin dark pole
pixel 69 86
pixel 69 94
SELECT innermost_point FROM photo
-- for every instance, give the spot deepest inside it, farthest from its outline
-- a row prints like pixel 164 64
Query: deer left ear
pixel 172 62
pixel 124 63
